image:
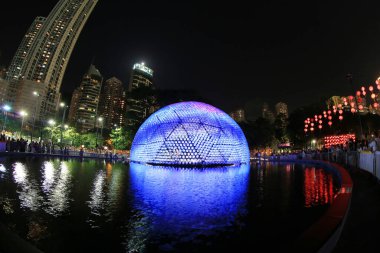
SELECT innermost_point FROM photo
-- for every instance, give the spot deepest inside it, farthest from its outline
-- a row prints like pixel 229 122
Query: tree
pixel 280 128
pixel 121 139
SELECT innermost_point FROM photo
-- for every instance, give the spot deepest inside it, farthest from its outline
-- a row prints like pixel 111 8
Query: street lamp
pixel 23 114
pixel 100 119
pixel 6 109
pixel 51 123
pixel 36 94
pixel 64 106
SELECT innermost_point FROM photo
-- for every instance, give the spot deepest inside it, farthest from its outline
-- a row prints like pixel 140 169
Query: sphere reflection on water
pixel 185 203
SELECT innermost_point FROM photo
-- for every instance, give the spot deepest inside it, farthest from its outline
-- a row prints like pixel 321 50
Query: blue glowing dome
pixel 190 134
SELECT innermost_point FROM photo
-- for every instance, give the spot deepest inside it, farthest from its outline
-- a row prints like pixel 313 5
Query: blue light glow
pixel 186 203
pixel 190 134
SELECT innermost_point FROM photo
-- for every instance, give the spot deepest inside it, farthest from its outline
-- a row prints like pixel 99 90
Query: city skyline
pixel 263 49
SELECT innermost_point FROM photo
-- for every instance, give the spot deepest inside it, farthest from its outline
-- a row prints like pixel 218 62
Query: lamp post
pixel 64 106
pixel 51 124
pixel 6 109
pixel 36 94
pixel 100 119
pixel 23 114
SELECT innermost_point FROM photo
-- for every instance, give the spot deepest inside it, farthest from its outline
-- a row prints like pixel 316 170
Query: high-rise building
pixel 138 107
pixel 42 57
pixel 267 113
pixel 238 115
pixel 112 103
pixel 87 112
pixel 281 108
pixel 74 105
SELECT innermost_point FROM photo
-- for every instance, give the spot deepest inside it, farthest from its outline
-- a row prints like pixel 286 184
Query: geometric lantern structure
pixel 190 134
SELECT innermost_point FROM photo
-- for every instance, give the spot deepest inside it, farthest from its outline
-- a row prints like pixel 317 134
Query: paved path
pixel 362 229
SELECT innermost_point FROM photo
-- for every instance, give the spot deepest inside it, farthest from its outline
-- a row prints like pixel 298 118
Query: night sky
pixel 234 54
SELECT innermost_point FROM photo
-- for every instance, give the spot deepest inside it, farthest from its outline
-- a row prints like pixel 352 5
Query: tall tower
pixel 42 57
pixel 87 113
pixel 137 104
pixel 281 108
pixel 74 105
pixel 112 103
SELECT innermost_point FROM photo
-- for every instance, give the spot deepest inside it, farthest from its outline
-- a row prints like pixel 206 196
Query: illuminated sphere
pixel 190 134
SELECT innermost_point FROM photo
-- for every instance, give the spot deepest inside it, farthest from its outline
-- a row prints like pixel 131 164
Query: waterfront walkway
pixel 361 231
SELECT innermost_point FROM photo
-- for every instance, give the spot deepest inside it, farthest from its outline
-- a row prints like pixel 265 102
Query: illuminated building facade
pixel 45 51
pixel 190 134
pixel 282 108
pixel 238 115
pixel 138 108
pixel 112 103
pixel 87 112
pixel 267 113
pixel 74 105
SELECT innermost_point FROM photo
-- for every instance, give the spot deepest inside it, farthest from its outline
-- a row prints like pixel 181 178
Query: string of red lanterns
pixel 338 139
pixel 349 103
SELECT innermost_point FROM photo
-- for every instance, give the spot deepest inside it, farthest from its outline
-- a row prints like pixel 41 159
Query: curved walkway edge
pixel 323 235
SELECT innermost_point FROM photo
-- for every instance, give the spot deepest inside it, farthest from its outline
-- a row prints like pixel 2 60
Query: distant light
pixel 51 122
pixel 7 108
pixel 66 126
pixel 62 104
pixel 100 119
pixel 23 113
pixel 35 93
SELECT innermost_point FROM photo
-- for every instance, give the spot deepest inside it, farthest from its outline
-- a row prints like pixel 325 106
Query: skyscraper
pixel 74 105
pixel 112 103
pixel 281 108
pixel 138 106
pixel 238 115
pixel 42 57
pixel 267 113
pixel 87 112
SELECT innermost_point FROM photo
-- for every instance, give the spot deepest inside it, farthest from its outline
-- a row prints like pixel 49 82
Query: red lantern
pixel 312 129
pixel 370 88
pixel 361 107
pixel 341 117
pixel 340 111
pixel 305 130
pixel 329 117
pixel 351 97
pixel 305 121
pixel 312 124
pixel 358 93
pixel 320 116
pixel 306 126
pixel 375 105
pixel 345 103
pixel 364 93
pixel 339 105
pixel 378 86
pixel 363 88
pixel 353 110
pixel 352 104
pixel 320 126
pixel 328 112
pixel 330 123
pixel 373 95
pixel 320 122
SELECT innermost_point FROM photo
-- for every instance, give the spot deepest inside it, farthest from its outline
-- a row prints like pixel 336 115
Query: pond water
pixel 97 206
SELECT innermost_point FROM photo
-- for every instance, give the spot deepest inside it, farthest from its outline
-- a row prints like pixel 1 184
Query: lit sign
pixel 143 68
